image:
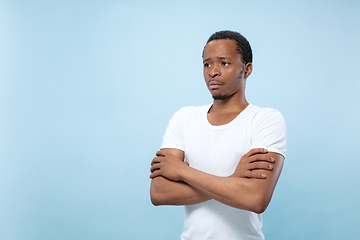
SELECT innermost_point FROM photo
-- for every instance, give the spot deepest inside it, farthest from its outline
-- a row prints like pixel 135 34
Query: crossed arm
pixel 250 187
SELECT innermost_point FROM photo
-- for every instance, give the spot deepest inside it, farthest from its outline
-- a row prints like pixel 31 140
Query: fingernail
pixel 271 167
pixel 272 159
pixel 263 175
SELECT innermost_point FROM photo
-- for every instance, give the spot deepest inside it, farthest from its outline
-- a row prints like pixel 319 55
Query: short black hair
pixel 243 46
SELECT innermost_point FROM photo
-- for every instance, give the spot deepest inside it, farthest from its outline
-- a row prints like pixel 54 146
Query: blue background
pixel 87 89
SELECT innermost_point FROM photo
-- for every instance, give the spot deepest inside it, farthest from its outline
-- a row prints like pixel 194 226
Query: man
pixel 222 161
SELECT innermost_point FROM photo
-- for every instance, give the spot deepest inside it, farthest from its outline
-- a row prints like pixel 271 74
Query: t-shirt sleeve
pixel 269 131
pixel 174 135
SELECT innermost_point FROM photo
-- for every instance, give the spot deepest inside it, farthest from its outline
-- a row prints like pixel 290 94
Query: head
pixel 243 46
pixel 227 59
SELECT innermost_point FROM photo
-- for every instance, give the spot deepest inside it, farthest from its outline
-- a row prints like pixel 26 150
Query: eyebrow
pixel 220 58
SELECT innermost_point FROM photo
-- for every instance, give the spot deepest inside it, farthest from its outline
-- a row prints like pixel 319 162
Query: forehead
pixel 221 48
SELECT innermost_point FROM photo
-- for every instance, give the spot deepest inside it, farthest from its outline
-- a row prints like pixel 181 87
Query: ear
pixel 248 70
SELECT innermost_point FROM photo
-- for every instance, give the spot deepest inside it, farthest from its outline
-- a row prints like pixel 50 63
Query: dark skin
pixel 251 185
pixel 165 191
pixel 225 75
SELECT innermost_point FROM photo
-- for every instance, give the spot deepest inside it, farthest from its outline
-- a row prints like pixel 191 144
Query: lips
pixel 215 85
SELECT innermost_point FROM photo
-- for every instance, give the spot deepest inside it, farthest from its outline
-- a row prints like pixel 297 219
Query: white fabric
pixel 217 150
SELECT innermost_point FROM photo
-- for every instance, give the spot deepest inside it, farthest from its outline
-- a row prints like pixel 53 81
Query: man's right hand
pixel 255 159
pixel 167 192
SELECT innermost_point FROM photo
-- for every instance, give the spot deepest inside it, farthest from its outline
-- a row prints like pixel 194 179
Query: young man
pixel 222 161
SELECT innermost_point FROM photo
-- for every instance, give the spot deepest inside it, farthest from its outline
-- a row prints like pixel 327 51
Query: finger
pixel 258 175
pixel 154 167
pixel 161 152
pixel 256 151
pixel 260 165
pixel 155 174
pixel 156 160
pixel 261 157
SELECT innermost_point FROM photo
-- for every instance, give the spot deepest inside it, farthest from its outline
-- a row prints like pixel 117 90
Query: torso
pixel 221 119
pixel 217 119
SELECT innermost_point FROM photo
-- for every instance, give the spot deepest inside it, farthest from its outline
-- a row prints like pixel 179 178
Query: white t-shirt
pixel 217 150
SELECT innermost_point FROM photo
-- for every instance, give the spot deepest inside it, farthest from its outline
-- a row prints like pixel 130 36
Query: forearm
pixel 240 193
pixel 243 193
pixel 167 192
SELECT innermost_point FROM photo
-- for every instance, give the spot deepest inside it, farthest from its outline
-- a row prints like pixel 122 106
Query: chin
pixel 223 97
pixel 220 97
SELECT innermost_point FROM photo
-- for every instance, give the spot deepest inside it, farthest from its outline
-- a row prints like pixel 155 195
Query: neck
pixel 236 103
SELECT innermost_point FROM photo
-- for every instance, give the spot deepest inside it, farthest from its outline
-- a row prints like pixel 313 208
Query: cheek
pixel 235 74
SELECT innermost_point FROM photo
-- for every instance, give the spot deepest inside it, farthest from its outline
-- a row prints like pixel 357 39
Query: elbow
pixel 259 209
pixel 156 196
pixel 259 204
pixel 255 204
pixel 155 200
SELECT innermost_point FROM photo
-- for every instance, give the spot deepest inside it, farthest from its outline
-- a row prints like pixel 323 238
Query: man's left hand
pixel 255 159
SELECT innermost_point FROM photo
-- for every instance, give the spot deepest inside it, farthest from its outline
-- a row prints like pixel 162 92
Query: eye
pixel 206 65
pixel 225 63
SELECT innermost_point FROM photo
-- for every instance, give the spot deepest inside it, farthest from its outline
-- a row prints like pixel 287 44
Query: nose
pixel 214 72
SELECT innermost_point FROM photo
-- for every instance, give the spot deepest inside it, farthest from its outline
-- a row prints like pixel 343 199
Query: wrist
pixel 183 172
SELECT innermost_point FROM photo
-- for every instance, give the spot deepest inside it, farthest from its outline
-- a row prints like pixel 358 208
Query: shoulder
pixel 268 130
pixel 193 109
pixel 266 114
pixel 190 111
pixel 267 118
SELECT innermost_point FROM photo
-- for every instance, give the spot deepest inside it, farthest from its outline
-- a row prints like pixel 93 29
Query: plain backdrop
pixel 87 89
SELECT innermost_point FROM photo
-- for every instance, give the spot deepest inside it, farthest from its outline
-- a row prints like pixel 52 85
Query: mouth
pixel 214 85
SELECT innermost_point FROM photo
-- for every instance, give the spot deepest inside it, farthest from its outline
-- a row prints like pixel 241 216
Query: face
pixel 223 69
